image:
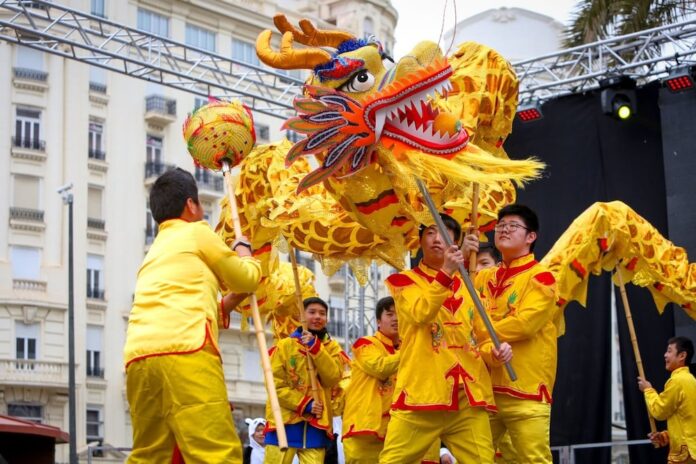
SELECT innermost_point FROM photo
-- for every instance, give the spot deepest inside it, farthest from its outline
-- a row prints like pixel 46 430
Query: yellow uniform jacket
pixel 521 302
pixel 438 355
pixel 369 394
pixel 175 306
pixel 677 405
pixel 289 364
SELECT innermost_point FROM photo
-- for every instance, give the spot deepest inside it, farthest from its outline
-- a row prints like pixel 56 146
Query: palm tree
pixel 598 19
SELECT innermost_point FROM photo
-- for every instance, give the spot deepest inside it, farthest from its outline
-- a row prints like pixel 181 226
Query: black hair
pixel 383 305
pixel 529 217
pixel 683 345
pixel 487 247
pixel 450 223
pixel 169 194
pixel 315 300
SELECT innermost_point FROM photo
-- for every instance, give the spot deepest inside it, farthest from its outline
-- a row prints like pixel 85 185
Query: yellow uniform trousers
pixel 181 399
pixel 365 449
pixel 466 433
pixel 305 455
pixel 504 451
pixel 529 423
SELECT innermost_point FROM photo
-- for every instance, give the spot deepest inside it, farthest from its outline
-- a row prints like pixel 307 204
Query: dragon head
pixel 354 101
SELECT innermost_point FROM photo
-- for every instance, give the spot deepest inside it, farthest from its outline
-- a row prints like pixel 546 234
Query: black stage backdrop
pixel 593 157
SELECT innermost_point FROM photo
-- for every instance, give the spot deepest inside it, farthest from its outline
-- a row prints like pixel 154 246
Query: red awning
pixel 10 424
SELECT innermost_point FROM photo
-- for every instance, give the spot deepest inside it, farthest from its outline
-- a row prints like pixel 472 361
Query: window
pixel 245 52
pixel 26 262
pixel 26 343
pixel 95 277
pixel 94 424
pixel 150 226
pixel 97 79
pixel 98 8
pixel 198 102
pixel 29 58
pixel 336 317
pixel 26 192
pixel 30 412
pixel 94 351
pixel 251 366
pixel 153 150
pixel 200 38
pixel 304 259
pixel 293 136
pixel 154 23
pixel 262 132
pixel 368 27
pixel 94 203
pixel 96 140
pixel 28 128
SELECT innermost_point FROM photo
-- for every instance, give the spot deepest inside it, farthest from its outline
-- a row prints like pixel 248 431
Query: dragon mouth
pixel 403 112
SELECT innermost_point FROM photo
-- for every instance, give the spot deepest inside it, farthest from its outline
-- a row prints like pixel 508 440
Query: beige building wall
pixel 58 103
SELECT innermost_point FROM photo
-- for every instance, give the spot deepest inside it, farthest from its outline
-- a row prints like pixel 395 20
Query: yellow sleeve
pixel 288 397
pixel 663 405
pixel 369 358
pixel 329 367
pixel 417 303
pixel 237 274
pixel 534 311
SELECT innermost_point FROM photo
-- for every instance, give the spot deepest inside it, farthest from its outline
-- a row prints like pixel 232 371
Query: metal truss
pixel 643 55
pixel 96 41
pixel 358 322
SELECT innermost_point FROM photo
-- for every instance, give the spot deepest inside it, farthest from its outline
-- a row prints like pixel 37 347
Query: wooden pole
pixel 465 275
pixel 258 325
pixel 634 339
pixel 298 297
pixel 474 225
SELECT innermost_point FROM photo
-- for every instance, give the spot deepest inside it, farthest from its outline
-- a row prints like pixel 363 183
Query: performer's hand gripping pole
pixel 634 339
pixel 258 325
pixel 465 275
pixel 300 304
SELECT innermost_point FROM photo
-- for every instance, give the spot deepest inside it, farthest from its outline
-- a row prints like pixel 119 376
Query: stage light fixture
pixel 530 111
pixel 618 97
pixel 680 79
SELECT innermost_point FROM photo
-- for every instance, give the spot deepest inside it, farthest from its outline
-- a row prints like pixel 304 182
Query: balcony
pixel 337 282
pixel 97 93
pixel 95 371
pixel 95 229
pixel 160 110
pixel 34 373
pixel 97 87
pixel 30 79
pixel 97 154
pixel 154 169
pixel 31 149
pixel 30 285
pixel 209 185
pixel 93 223
pixel 95 294
pixel 26 219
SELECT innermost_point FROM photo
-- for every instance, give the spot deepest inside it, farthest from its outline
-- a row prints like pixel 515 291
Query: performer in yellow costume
pixel 175 385
pixel 443 389
pixel 677 404
pixel 369 395
pixel 520 297
pixel 308 423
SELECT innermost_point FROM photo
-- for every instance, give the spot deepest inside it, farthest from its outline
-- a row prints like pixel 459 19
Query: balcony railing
pixel 33 372
pixel 29 284
pixel 30 74
pixel 97 87
pixel 33 144
pixel 95 371
pixel 95 293
pixel 93 223
pixel 206 180
pixel 26 214
pixel 156 169
pixel 160 104
pixel 97 154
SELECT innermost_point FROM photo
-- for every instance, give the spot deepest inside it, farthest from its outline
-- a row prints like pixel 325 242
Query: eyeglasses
pixel 509 226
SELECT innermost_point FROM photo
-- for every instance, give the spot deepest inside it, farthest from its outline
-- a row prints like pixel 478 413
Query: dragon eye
pixel 359 82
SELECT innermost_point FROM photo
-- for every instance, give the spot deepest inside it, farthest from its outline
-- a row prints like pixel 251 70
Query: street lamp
pixel 66 192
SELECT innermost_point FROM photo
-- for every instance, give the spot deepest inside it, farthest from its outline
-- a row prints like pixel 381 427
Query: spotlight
pixel 530 111
pixel 680 79
pixel 618 97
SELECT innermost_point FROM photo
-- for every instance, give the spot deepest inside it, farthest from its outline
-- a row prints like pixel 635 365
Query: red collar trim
pixel 503 274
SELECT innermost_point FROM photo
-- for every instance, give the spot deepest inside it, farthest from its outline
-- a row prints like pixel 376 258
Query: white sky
pixel 422 19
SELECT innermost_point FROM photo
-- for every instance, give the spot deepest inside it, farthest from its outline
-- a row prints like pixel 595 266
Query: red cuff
pixel 225 317
pixel 443 278
pixel 316 345
pixel 303 404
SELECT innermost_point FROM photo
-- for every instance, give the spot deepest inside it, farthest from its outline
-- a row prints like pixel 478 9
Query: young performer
pixel 175 385
pixel 369 395
pixel 676 404
pixel 442 389
pixel 519 296
pixel 256 451
pixel 308 423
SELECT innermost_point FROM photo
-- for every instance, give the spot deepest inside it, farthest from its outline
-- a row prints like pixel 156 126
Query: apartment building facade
pixel 111 135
